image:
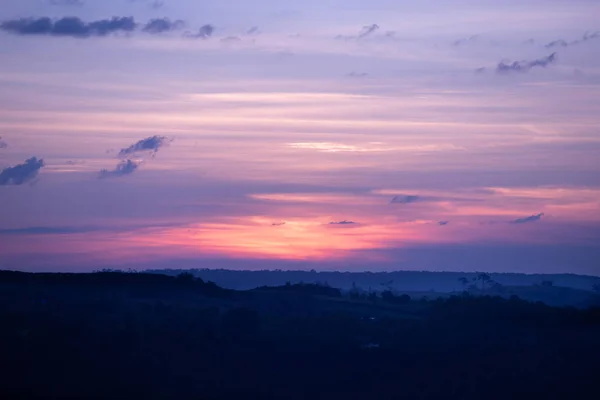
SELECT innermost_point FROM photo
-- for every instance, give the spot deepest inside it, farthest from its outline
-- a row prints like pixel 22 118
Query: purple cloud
pixel 152 144
pixel 125 167
pixel 21 173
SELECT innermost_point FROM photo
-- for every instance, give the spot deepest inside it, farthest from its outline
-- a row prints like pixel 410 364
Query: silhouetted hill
pixel 398 280
pixel 111 335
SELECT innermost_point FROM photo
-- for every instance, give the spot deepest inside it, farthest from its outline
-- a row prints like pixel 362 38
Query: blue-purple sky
pixel 330 134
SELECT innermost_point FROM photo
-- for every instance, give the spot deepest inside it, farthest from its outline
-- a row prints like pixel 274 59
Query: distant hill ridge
pixel 445 282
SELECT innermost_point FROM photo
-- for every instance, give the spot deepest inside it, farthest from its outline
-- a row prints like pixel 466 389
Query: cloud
pixel 532 218
pixel 155 5
pixel 366 31
pixel 443 223
pixel 43 230
pixel 355 74
pixel 68 26
pixel 342 222
pixel 70 3
pixel 69 230
pixel 3 144
pixel 125 167
pixel 406 199
pixel 480 70
pixel 278 224
pixel 466 40
pixel 524 66
pixel 231 39
pixel 153 144
pixel 161 25
pixel 205 32
pixel 253 31
pixel 21 173
pixel 563 43
pixel 75 162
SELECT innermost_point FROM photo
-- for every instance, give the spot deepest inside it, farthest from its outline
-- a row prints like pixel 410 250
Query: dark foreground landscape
pixel 131 335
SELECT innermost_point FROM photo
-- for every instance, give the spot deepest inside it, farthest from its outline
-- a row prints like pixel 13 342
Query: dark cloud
pixel 253 31
pixel 43 230
pixel 68 26
pixel 161 25
pixel 342 222
pixel 68 230
pixel 152 144
pixel 563 43
pixel 443 223
pixel 70 3
pixel 532 218
pixel 205 32
pixel 368 30
pixel 125 167
pixel 3 144
pixel 524 66
pixel 21 173
pixel 557 43
pixel 406 199
pixel 278 223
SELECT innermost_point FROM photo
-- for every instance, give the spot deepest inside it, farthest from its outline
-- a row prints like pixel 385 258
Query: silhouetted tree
pixel 464 281
pixel 185 278
pixel 483 278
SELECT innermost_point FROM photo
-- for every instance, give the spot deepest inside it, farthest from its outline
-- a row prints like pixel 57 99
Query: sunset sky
pixel 448 135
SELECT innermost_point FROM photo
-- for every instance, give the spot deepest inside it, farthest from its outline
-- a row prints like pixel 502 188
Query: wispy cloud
pixel 253 31
pixel 409 199
pixel 161 25
pixel 365 32
pixel 466 40
pixel 3 144
pixel 524 66
pixel 125 167
pixel 205 32
pixel 345 222
pixel 532 218
pixel 68 26
pixel 21 173
pixel 563 43
pixel 69 3
pixel 152 144
pixel 368 30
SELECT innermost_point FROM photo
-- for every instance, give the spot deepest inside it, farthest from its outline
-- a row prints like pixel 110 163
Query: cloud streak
pixel 205 32
pixel 125 167
pixel 525 66
pixel 563 43
pixel 409 199
pixel 68 26
pixel 345 222
pixel 21 173
pixel 152 144
pixel 527 220
pixel 161 25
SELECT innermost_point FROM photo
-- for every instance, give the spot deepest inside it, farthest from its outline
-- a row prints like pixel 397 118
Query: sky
pixel 355 135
